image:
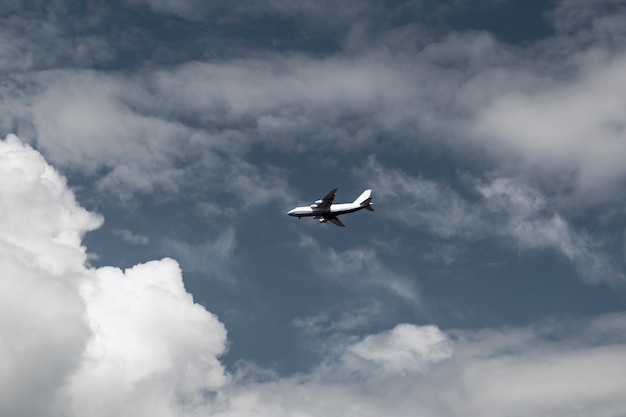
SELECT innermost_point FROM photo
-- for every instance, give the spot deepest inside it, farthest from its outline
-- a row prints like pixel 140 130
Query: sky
pixel 149 152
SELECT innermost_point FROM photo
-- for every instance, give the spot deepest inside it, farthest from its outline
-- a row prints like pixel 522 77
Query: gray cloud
pixel 132 238
pixel 190 125
pixel 507 208
pixel 50 34
pixel 532 371
pixel 467 90
pixel 212 257
pixel 188 9
pixel 577 127
pixel 345 322
pixel 108 127
pixel 360 268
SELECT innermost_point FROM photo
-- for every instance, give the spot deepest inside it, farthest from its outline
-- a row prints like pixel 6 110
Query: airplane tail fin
pixel 365 199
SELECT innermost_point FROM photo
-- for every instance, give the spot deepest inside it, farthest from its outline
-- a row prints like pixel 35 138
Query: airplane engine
pixel 318 202
pixel 323 220
pixel 313 205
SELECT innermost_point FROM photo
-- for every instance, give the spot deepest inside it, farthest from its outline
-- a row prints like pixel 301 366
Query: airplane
pixel 325 210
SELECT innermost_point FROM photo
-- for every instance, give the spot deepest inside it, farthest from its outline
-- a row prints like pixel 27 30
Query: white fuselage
pixel 334 210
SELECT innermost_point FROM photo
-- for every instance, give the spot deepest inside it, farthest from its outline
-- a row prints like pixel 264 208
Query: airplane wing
pixel 336 221
pixel 325 202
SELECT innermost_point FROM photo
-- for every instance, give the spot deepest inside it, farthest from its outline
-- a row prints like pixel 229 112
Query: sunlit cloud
pixel 90 341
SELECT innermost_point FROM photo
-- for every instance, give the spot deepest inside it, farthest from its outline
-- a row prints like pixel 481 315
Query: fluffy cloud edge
pixel 91 341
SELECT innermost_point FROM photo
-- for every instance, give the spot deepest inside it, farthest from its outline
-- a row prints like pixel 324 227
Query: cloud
pixel 174 127
pixel 597 22
pixel 79 340
pixel 421 203
pixel 467 91
pixel 188 9
pixel 212 257
pixel 41 216
pixel 113 129
pixel 41 257
pixel 95 130
pixel 153 350
pixel 546 384
pixel 533 225
pixel 327 15
pixel 199 114
pixel 507 208
pixel 108 342
pixel 255 186
pixel 575 367
pixel 131 238
pixel 404 349
pixel 291 101
pixel 409 369
pixel 343 322
pixel 578 127
pixel 359 268
pixel 543 369
pixel 54 34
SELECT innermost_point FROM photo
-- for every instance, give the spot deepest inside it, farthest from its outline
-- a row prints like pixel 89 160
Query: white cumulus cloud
pixel 152 351
pixel 404 349
pixel 78 340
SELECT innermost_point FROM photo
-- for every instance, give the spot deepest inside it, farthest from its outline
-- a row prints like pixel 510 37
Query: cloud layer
pixel 408 370
pixel 216 106
pixel 551 110
pixel 500 206
pixel 109 342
